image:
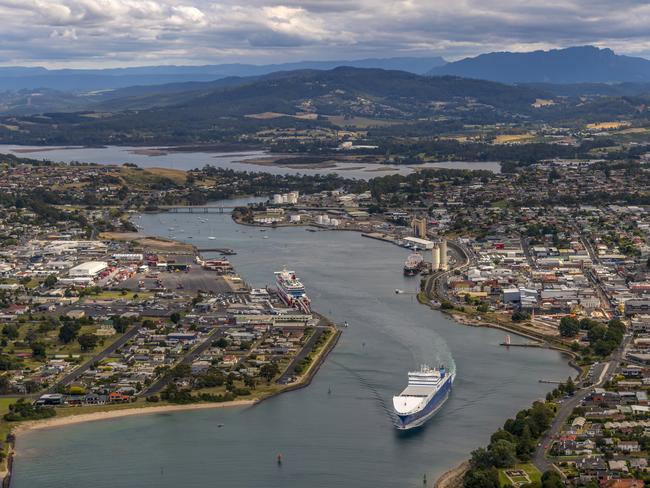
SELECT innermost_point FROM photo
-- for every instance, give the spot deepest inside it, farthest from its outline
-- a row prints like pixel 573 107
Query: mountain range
pixel 83 80
pixel 586 64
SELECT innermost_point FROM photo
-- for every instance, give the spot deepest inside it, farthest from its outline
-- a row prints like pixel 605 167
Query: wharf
pixel 381 237
pixel 527 344
pixel 221 250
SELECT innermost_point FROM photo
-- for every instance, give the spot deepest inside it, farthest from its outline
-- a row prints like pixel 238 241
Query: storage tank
pixel 435 258
pixel 444 260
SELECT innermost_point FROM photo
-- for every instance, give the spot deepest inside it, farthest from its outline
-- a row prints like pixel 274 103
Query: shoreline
pixel 57 422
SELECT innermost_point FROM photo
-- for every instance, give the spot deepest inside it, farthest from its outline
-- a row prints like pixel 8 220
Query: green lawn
pixel 532 472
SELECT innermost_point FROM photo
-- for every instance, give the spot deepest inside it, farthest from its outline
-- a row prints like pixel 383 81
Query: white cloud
pixel 98 32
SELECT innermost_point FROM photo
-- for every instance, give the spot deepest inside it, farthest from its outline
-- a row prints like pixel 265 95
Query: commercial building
pixel 89 269
pixel 419 243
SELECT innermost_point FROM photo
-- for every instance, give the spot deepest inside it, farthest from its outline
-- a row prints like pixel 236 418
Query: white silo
pixel 435 258
pixel 444 260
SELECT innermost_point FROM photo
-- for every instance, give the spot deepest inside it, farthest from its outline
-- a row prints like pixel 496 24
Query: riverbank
pixel 454 477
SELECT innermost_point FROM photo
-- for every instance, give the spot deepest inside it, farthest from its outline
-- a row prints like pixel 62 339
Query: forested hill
pixel 299 99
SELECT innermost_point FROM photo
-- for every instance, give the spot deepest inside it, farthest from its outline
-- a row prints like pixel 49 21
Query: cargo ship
pixel 426 392
pixel 413 264
pixel 292 291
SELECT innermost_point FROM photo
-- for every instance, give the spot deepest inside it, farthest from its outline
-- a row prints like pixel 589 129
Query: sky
pixel 110 33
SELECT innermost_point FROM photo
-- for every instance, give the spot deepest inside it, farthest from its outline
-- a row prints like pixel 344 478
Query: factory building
pixel 89 269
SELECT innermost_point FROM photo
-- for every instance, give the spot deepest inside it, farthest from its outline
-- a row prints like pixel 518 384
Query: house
pixel 629 446
pixel 116 397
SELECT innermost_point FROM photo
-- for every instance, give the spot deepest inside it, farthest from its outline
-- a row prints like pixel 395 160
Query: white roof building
pixel 88 269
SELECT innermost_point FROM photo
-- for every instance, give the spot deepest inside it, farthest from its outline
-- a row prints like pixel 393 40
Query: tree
pixel 525 444
pixel 503 454
pixel 569 386
pixel 481 459
pixel 68 331
pixel 269 371
pixel 50 281
pixel 596 333
pixel 552 479
pixel 569 327
pixel 38 350
pixel 481 478
pixel 10 331
pixel 88 341
pixel 175 317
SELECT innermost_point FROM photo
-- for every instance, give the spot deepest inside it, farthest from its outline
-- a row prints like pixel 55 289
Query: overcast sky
pixel 95 33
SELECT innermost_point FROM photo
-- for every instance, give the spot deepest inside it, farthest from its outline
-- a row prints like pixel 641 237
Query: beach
pixel 127 412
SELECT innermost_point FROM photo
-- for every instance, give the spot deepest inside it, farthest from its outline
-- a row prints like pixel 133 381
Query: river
pixel 150 157
pixel 343 438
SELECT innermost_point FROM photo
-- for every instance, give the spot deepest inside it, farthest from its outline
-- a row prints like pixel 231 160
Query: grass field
pixel 508 138
pixel 607 125
pixel 531 471
pixel 360 122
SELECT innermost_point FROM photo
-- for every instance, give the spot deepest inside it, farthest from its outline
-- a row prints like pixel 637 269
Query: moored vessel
pixel 413 264
pixel 291 290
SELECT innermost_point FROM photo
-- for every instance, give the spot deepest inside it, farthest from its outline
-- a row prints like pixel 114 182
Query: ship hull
pixel 419 418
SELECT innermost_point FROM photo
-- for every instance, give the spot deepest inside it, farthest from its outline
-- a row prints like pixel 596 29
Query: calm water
pixel 232 160
pixel 342 439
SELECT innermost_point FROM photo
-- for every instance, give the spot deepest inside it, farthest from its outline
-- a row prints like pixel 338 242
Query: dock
pixel 221 250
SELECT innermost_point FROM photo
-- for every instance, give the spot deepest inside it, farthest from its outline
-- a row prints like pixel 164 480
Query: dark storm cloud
pixel 161 31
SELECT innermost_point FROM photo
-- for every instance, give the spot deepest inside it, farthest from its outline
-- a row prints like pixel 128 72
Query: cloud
pixel 114 32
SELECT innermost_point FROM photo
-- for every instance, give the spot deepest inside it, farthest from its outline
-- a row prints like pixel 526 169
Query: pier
pixel 221 250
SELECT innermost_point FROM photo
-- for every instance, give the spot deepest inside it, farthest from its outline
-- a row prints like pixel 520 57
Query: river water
pixel 231 160
pixel 343 438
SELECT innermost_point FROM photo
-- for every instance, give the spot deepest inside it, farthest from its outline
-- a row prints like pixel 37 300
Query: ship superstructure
pixel 291 290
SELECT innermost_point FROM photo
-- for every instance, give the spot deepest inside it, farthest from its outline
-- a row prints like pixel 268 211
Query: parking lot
pixel 191 281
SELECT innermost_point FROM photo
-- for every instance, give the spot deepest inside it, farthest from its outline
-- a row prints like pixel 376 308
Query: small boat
pixel 265 237
pixel 398 291
pixel 212 238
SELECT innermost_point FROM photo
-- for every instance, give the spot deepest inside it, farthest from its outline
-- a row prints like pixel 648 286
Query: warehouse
pixel 88 269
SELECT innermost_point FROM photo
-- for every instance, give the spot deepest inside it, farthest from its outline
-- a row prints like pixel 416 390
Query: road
pixel 76 373
pixel 604 372
pixel 525 246
pixel 436 284
pixel 158 385
pixel 307 348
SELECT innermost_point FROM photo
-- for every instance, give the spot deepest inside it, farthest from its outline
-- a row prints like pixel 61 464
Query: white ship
pixel 292 291
pixel 426 393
